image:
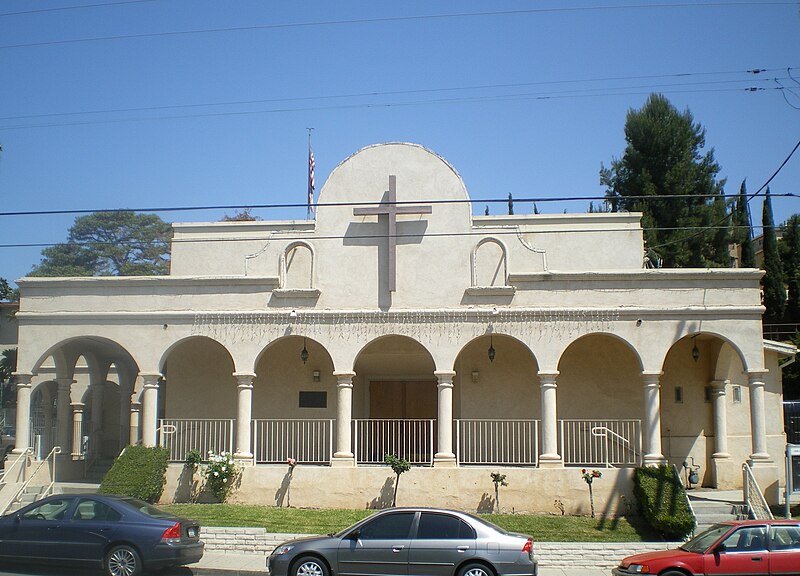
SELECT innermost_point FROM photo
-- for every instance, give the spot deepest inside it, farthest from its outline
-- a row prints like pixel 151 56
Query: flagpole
pixel 310 207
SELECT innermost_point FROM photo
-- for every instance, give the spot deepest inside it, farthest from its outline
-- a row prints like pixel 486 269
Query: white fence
pixel 475 441
pixel 412 440
pixel 182 435
pixel 307 441
pixel 601 442
pixel 497 442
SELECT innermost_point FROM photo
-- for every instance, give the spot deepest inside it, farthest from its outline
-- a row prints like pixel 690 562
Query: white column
pixel 124 418
pixel 758 423
pixel 344 420
pixel 97 417
pixel 64 414
pixel 136 422
pixel 77 429
pixel 549 456
pixel 444 457
pixel 244 386
pixel 23 381
pixel 149 407
pixel 720 419
pixel 652 419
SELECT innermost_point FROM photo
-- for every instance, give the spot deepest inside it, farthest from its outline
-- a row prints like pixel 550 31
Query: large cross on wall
pixel 390 208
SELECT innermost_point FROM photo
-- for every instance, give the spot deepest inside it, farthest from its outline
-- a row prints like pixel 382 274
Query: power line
pixel 632 91
pixel 79 7
pixel 378 93
pixel 522 200
pixel 388 19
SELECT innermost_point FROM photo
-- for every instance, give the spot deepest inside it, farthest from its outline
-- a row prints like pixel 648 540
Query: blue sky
pixel 176 103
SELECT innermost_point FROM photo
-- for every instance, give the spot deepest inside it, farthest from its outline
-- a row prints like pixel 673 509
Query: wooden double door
pixel 402 399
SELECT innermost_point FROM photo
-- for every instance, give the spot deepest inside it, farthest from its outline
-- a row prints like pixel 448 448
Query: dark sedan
pixel 123 536
pixel 409 542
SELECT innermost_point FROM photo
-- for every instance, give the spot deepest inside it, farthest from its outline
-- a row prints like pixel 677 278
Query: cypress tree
pixel 789 249
pixel 744 230
pixel 772 283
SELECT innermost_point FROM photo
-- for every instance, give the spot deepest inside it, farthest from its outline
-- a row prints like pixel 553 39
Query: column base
pixel 653 460
pixel 343 460
pixel 760 459
pixel 445 461
pixel 551 461
pixel 725 473
pixel 243 459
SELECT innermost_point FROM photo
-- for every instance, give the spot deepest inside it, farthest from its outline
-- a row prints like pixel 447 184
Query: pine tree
pixel 772 283
pixel 743 231
pixel 665 175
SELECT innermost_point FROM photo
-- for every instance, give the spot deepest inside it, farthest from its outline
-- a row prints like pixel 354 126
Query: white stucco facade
pixel 595 360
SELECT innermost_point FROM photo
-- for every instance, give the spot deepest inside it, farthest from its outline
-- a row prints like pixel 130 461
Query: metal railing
pixel 307 441
pixel 411 440
pixel 511 442
pixel 179 435
pixel 618 443
pixel 757 506
pixel 51 457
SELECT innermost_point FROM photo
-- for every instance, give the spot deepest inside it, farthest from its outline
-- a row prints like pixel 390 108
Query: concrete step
pixel 76 487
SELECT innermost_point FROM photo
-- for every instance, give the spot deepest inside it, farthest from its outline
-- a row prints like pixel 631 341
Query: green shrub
pixel 138 472
pixel 663 502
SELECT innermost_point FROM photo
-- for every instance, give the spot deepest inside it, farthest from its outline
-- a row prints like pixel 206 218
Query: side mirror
pixel 719 549
pixel 17 518
pixel 354 535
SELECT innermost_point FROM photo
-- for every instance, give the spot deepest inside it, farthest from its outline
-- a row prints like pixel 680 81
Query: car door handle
pixel 462 548
pixel 756 558
pixel 397 548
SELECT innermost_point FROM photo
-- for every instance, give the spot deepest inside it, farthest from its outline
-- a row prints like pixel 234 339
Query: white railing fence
pixel 307 441
pixel 757 506
pixel 412 440
pixel 512 442
pixel 180 435
pixel 601 442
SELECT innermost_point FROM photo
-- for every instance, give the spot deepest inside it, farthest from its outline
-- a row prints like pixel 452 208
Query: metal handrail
pixel 757 508
pixel 605 432
pixel 6 473
pixel 48 491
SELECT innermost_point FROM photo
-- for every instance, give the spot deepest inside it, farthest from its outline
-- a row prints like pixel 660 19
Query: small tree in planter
pixel 499 480
pixel 220 472
pixel 589 477
pixel 399 466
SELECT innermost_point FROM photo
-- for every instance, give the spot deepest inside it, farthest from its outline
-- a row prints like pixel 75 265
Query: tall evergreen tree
pixel 743 230
pixel 772 283
pixel 665 175
pixel 789 250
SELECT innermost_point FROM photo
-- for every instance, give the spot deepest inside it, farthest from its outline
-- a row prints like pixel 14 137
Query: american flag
pixel 310 180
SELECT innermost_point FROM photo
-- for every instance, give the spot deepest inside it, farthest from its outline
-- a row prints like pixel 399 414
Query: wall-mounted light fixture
pixel 304 352
pixel 315 375
pixel 695 349
pixel 293 314
pixel 475 375
pixel 491 350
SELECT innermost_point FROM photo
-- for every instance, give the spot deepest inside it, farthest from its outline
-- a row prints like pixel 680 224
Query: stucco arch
pixel 182 341
pixel 580 339
pixel 710 340
pixel 285 265
pixel 476 271
pixel 98 351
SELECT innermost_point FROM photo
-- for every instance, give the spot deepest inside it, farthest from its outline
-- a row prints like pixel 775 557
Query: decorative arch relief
pixel 297 272
pixel 489 267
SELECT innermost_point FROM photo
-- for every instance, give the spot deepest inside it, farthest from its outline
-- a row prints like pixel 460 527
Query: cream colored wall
pixel 281 376
pixel 200 382
pixel 507 388
pixel 600 377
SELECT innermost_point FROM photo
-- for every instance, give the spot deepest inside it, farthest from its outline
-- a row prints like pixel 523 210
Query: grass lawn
pixel 543 528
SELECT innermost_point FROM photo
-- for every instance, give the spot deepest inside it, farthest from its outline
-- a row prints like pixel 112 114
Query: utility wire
pixel 528 199
pixel 78 7
pixel 387 19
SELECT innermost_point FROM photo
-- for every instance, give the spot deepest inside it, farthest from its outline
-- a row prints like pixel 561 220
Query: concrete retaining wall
pixel 555 554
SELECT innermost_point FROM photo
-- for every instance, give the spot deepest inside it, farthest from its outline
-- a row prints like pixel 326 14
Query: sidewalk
pixel 221 564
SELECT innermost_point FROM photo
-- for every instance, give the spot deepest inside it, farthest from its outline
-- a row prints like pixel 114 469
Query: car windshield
pixel 148 509
pixel 700 543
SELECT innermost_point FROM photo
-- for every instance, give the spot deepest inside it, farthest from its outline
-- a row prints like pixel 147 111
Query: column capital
pixel 22 378
pixel 445 377
pixel 150 379
pixel 244 379
pixel 136 406
pixel 65 382
pixel 651 378
pixel 756 377
pixel 344 379
pixel 548 379
pixel 77 406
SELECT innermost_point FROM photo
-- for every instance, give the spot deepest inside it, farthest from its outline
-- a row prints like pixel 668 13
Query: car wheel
pixel 123 560
pixel 309 566
pixel 475 570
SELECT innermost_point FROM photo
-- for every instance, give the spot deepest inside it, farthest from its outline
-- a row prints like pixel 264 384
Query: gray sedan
pixel 409 542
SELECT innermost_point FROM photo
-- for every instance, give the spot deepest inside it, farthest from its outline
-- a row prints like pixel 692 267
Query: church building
pixel 395 321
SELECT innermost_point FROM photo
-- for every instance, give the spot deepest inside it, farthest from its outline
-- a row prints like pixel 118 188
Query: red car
pixel 752 547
